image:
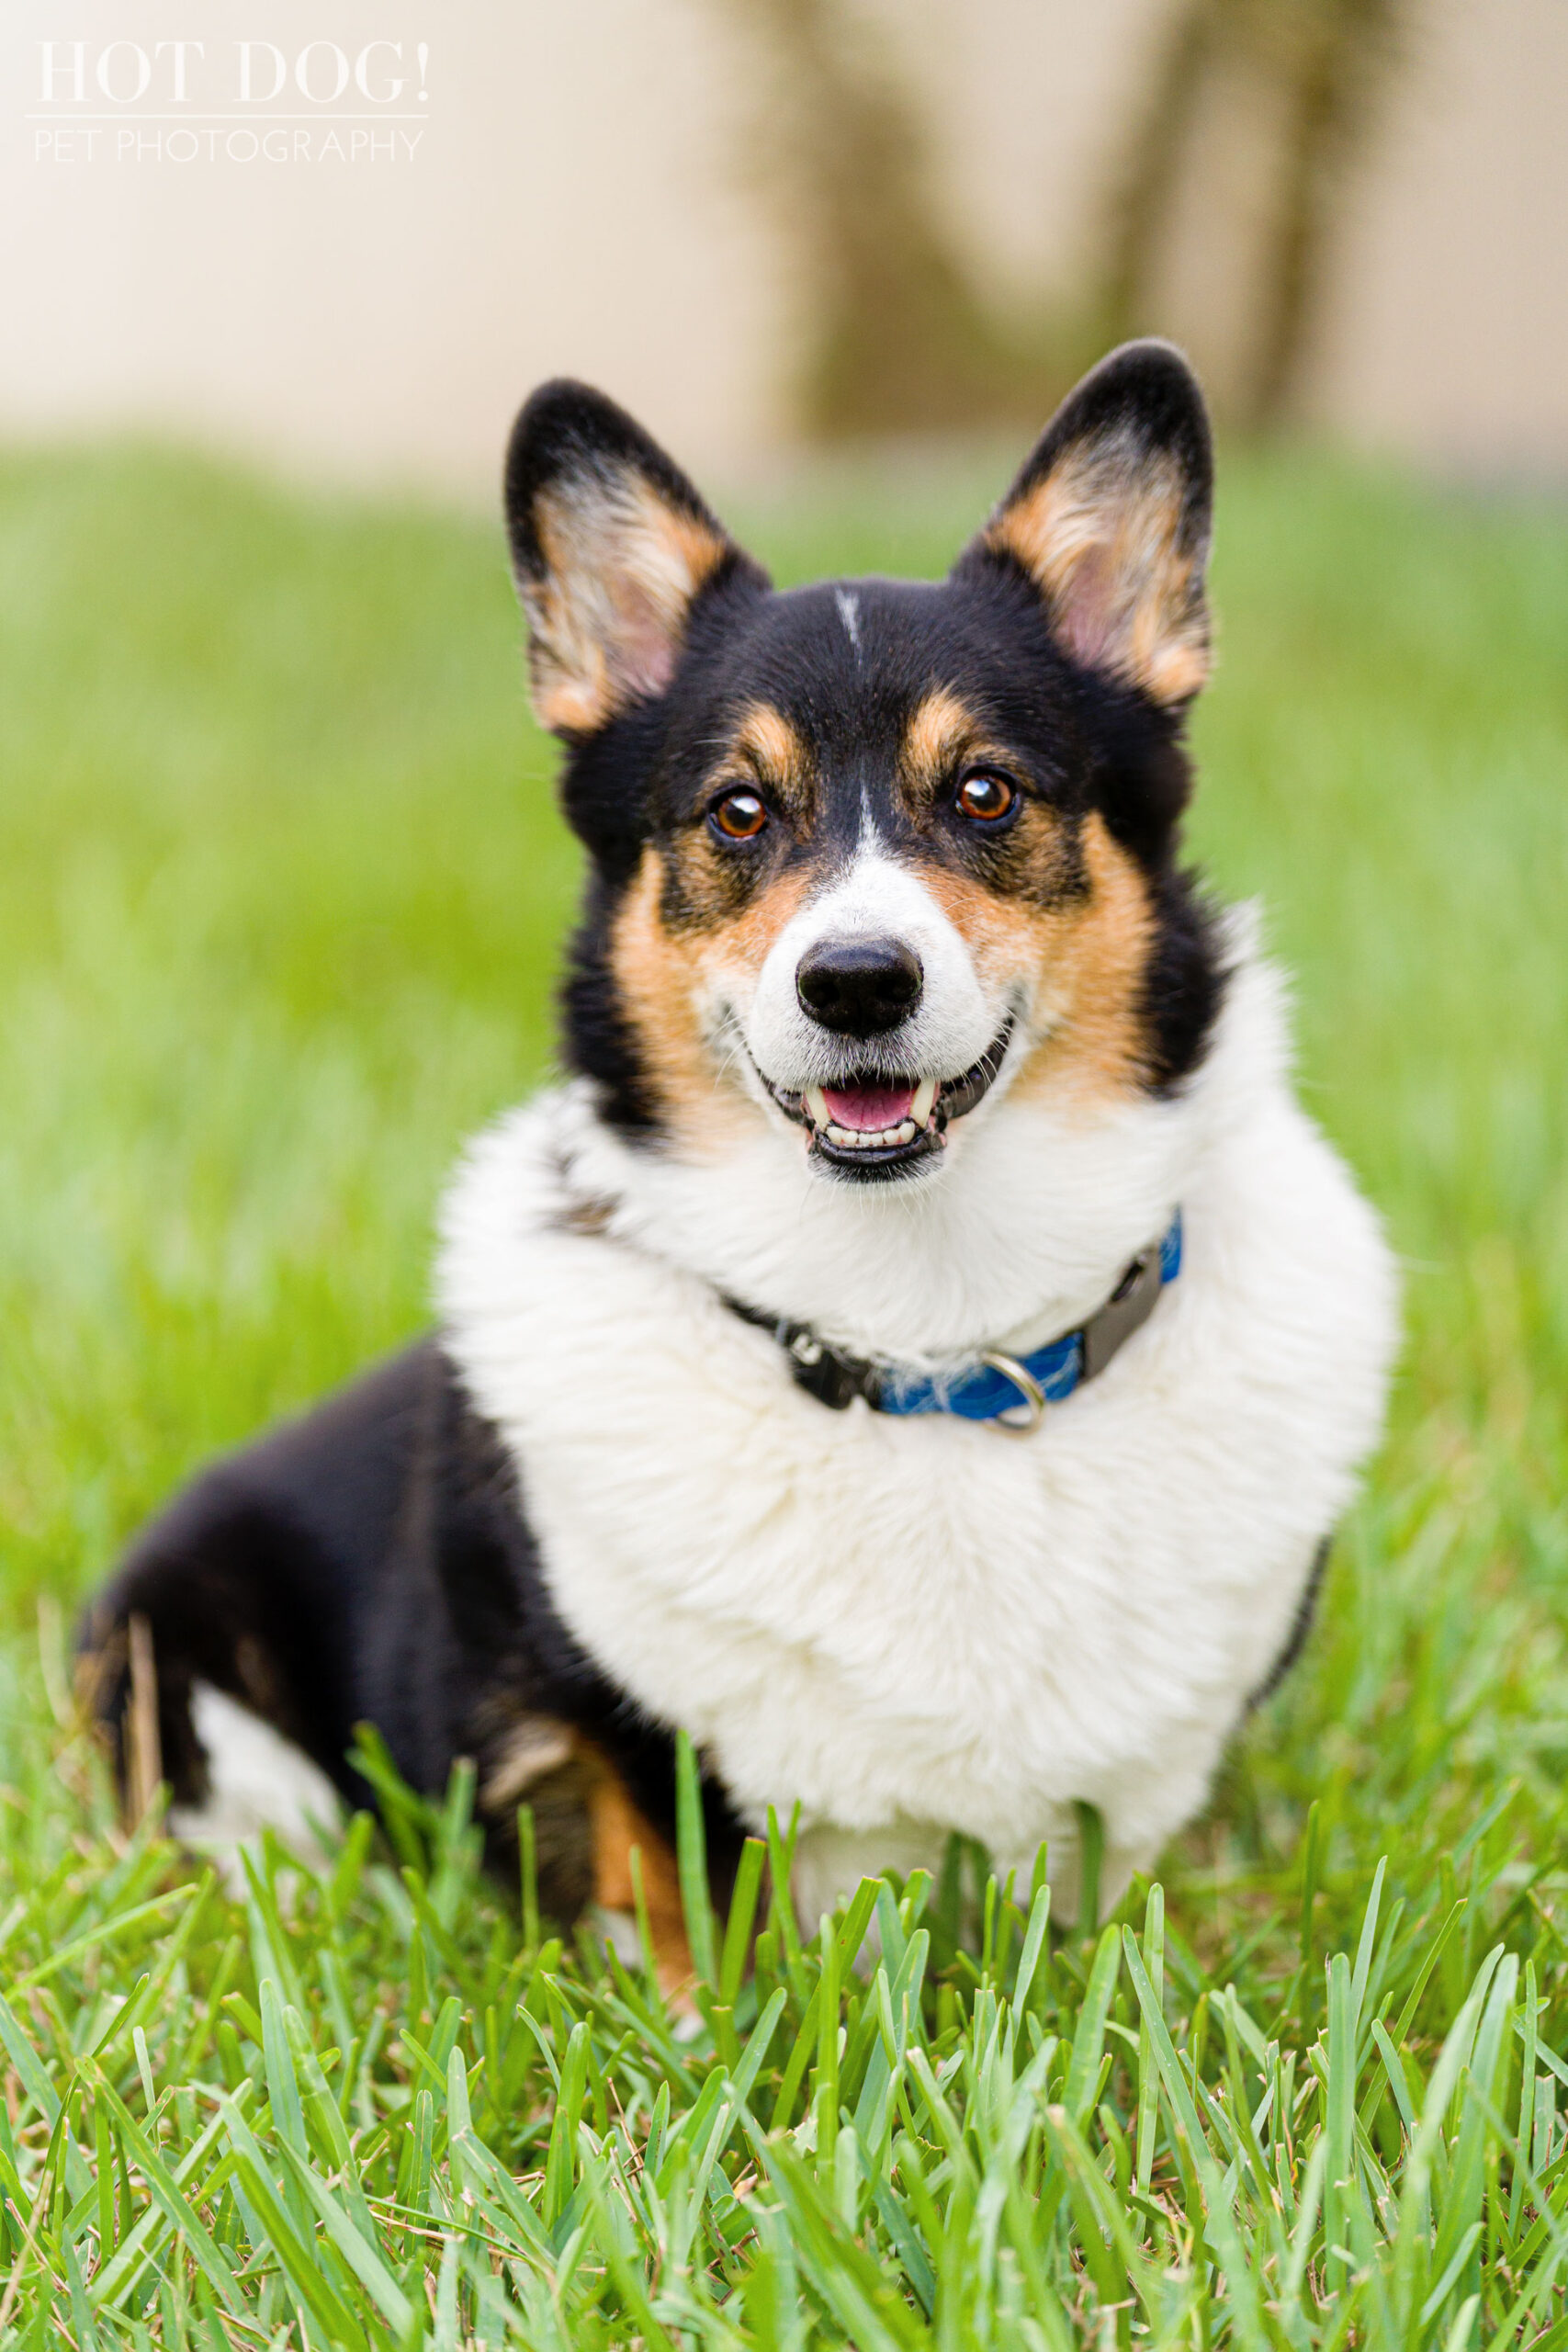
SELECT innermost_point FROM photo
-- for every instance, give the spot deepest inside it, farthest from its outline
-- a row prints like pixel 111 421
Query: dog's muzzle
pixel 874 1123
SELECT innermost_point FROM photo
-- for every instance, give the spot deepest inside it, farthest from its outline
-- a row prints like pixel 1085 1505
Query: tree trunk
pixel 1345 55
pixel 1152 158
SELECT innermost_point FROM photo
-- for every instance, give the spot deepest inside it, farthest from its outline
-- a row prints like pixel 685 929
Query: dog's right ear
pixel 611 548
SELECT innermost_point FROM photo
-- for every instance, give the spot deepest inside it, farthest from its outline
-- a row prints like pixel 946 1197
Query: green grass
pixel 280 892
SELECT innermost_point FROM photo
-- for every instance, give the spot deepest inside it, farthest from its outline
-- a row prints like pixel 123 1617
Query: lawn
pixel 280 894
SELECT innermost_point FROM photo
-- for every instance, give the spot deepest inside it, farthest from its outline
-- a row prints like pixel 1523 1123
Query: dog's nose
pixel 858 986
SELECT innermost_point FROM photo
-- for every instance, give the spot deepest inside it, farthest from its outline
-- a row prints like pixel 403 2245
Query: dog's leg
pixel 619 1829
pixel 586 1826
pixel 256 1780
pixel 183 1667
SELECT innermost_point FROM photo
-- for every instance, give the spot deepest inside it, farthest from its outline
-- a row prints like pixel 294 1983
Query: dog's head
pixel 867 856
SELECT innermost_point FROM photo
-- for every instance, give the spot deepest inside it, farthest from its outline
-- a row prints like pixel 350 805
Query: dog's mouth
pixel 878 1122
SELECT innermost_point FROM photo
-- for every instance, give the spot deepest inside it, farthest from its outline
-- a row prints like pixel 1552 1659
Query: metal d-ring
pixel 1029 1389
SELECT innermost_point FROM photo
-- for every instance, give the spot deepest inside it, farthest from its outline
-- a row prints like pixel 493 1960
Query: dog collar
pixel 995 1385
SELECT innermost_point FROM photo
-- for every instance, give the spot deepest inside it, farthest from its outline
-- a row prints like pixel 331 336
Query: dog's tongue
pixel 868 1109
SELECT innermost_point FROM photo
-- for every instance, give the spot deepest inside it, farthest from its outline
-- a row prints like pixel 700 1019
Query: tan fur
pixel 607 619
pixel 144 1756
pixel 665 981
pixel 96 1670
pixel 533 1747
pixel 942 731
pixel 619 1829
pixel 1082 960
pixel 779 757
pixel 943 735
pixel 1101 535
pixel 745 944
pixel 542 1762
pixel 658 978
pixel 587 1217
pixel 586 1829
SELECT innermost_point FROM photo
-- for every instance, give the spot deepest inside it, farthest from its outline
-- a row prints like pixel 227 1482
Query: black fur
pixel 1301 1626
pixel 373 1563
pixel 600 1041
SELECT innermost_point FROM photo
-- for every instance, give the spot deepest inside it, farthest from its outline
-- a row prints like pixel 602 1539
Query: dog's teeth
pixel 925 1098
pixel 815 1103
pixel 869 1138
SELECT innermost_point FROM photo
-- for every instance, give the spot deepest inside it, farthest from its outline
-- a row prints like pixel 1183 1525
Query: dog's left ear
pixel 1110 518
pixel 611 548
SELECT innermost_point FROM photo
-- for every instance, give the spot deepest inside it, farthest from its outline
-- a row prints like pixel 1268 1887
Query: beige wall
pixel 562 213
pixel 1448 329
pixel 577 202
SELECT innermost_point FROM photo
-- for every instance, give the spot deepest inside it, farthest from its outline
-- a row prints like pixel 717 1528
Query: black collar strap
pixel 1009 1392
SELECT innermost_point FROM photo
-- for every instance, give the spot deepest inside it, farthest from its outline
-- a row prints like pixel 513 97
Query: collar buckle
pixel 1127 1309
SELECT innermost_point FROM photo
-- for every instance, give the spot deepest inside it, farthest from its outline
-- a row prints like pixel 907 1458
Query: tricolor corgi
pixel 923 1348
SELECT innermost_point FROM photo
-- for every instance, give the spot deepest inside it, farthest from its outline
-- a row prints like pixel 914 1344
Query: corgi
pixel 921 1348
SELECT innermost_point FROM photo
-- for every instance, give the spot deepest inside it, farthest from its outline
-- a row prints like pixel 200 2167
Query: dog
pixel 921 1348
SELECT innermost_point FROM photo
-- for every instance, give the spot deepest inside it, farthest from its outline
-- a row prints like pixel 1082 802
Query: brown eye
pixel 986 795
pixel 740 816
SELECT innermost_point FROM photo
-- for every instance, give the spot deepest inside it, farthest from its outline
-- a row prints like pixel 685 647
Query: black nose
pixel 860 986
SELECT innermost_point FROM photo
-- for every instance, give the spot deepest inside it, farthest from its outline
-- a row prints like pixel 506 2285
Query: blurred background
pixel 764 223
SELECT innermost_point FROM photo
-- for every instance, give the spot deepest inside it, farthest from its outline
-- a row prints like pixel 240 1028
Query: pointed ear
pixel 610 546
pixel 1110 518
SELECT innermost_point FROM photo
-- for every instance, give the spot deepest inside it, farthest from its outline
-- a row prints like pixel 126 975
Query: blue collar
pixel 996 1385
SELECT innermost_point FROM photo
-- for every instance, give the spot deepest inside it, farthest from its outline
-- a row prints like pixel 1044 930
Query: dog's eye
pixel 987 796
pixel 740 815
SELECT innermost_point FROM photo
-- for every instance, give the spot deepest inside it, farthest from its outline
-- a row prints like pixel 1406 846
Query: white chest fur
pixel 908 1626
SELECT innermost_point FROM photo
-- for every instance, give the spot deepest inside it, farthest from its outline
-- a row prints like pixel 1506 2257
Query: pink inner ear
pixel 644 650
pixel 1085 609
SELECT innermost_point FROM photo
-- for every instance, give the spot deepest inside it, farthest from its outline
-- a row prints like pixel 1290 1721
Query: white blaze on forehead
pixel 848 613
pixel 875 897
